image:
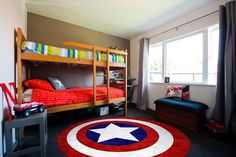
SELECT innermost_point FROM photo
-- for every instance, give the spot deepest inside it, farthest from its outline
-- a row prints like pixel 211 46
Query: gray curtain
pixel 142 94
pixel 226 78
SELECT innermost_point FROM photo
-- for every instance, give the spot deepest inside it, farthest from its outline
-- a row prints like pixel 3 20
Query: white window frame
pixel 205 41
pixel 155 45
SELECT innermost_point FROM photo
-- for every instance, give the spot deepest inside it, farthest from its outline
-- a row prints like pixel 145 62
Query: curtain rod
pixel 184 24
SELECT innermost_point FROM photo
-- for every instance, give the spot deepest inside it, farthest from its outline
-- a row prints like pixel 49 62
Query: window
pixel 213 54
pixel 184 59
pixel 155 63
pixel 188 59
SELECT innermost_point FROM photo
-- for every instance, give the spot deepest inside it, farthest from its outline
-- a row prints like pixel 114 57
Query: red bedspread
pixel 73 95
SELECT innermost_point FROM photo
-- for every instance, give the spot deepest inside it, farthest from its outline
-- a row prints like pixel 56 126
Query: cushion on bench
pixel 184 105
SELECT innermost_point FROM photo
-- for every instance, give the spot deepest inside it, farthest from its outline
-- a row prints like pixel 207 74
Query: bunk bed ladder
pixel 99 75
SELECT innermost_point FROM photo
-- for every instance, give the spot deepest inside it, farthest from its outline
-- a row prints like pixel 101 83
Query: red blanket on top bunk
pixel 73 95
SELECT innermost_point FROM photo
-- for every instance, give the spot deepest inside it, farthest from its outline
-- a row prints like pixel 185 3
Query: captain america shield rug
pixel 123 137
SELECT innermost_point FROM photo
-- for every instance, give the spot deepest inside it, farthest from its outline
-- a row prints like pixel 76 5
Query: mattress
pixel 38 48
pixel 69 96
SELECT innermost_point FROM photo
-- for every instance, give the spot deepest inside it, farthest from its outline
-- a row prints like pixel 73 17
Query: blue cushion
pixel 185 105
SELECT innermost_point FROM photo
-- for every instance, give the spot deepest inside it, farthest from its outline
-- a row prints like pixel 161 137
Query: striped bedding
pixel 32 47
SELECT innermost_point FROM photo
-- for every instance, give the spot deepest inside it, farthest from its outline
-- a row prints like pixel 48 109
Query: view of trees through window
pixel 186 59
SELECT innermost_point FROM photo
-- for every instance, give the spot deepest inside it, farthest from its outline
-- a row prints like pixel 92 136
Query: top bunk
pixel 75 54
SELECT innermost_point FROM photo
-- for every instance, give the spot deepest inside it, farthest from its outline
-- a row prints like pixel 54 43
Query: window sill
pixel 191 84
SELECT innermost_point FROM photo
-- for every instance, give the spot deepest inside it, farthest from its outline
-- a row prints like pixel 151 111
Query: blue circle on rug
pixel 140 134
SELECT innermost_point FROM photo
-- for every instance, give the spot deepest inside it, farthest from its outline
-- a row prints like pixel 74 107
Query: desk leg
pixel 46 130
pixel 18 136
pixel 43 137
pixel 8 134
pixel 22 135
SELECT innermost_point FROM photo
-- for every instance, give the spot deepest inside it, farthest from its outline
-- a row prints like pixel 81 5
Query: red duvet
pixel 73 95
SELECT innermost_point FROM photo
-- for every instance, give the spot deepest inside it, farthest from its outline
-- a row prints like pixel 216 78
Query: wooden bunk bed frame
pixel 28 59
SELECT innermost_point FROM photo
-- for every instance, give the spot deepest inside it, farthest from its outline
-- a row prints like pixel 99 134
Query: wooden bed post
pixel 108 77
pixel 94 77
pixel 125 84
pixel 19 64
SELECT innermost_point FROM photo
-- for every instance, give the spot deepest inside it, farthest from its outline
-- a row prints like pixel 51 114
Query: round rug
pixel 120 137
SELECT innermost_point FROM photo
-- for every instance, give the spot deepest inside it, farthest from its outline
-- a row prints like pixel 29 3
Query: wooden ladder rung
pixel 100 75
pixel 101 94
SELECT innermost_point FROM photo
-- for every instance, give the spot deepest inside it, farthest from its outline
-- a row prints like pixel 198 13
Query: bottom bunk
pixel 69 99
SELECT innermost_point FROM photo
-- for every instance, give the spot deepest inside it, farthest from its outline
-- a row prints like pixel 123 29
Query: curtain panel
pixel 142 93
pixel 226 77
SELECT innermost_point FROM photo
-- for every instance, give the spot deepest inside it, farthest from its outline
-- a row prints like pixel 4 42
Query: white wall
pixel 12 14
pixel 201 93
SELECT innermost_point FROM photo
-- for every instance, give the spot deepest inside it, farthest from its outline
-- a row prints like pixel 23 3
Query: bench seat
pixel 186 113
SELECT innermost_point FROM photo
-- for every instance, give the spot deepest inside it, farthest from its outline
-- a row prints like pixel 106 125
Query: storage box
pixel 102 111
pixel 186 113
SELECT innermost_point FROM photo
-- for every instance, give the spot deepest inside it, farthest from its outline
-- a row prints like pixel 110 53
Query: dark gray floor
pixel 203 144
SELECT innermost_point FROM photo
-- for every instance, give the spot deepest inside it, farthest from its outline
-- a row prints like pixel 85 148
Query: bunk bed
pixel 28 58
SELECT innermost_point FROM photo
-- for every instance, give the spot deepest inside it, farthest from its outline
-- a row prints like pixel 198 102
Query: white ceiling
pixel 122 18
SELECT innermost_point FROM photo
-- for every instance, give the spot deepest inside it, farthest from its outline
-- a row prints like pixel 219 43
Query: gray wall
pixel 53 32
pixel 70 77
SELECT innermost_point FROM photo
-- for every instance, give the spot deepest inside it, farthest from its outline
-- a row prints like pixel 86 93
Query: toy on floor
pixel 216 128
pixel 21 109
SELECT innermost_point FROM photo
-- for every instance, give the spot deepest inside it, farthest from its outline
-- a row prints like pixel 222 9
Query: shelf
pixel 101 75
pixel 112 64
pixel 121 65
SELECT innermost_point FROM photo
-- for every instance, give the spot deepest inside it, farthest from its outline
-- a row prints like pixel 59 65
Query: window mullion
pixel 205 57
pixel 164 61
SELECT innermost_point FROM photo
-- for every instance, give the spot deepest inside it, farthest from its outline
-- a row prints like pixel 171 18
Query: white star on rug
pixel 113 131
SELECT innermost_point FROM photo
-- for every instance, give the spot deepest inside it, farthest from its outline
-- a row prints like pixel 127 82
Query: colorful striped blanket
pixel 32 47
